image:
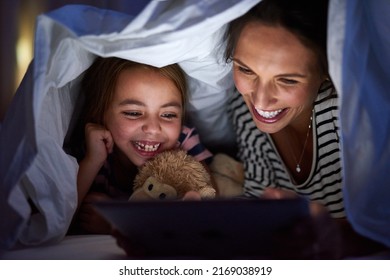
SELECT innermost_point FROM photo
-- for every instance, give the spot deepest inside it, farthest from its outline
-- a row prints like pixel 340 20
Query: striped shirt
pixel 264 167
pixel 190 142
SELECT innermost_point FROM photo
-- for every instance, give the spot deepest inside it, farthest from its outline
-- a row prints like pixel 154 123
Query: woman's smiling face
pixel 277 75
pixel 145 116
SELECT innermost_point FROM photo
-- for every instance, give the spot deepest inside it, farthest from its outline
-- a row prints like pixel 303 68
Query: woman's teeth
pixel 268 114
pixel 147 147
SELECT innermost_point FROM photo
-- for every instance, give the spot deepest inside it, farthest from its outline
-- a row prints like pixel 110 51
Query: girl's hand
pixel 99 142
pixel 90 220
pixel 192 196
pixel 132 248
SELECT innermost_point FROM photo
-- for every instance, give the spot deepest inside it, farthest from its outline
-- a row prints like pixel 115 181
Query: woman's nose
pixel 263 96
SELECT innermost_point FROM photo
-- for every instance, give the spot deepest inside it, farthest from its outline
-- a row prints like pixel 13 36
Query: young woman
pixel 286 110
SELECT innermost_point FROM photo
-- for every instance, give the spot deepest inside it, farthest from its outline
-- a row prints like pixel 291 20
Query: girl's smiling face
pixel 277 75
pixel 145 116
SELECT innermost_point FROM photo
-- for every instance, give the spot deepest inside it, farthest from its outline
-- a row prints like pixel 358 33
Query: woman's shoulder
pixel 327 98
pixel 236 102
pixel 237 108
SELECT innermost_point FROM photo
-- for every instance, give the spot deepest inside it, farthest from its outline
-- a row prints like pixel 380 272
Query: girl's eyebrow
pixel 284 75
pixel 129 101
pixel 172 104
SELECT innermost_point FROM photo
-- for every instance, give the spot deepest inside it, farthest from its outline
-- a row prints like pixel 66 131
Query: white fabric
pixel 359 51
pixel 32 162
pixel 72 247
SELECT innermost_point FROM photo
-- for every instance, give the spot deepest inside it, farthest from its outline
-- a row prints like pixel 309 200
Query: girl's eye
pixel 169 116
pixel 132 114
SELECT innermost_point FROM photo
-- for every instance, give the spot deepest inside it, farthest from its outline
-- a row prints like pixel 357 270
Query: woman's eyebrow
pixel 292 75
pixel 284 75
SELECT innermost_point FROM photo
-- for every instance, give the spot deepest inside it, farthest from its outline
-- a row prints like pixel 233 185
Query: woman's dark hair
pixel 307 19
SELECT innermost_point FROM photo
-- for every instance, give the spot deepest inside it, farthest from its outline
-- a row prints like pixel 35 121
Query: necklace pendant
pixel 298 168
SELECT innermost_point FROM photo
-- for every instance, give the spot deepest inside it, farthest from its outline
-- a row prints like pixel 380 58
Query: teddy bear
pixel 171 174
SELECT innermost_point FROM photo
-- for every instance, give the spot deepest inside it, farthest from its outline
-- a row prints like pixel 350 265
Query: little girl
pixel 131 113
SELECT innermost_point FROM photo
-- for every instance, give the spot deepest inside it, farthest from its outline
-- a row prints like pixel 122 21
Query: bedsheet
pixel 359 57
pixel 99 247
pixel 72 247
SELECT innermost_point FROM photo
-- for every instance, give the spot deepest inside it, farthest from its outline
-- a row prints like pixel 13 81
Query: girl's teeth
pixel 268 114
pixel 146 147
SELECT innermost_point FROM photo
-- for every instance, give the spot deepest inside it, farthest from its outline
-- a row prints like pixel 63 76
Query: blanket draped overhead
pixel 34 166
pixel 359 58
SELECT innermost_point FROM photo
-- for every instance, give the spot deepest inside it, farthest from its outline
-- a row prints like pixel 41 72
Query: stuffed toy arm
pixel 170 175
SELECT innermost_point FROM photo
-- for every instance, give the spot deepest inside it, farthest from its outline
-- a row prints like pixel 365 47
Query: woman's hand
pixel 274 193
pixel 315 237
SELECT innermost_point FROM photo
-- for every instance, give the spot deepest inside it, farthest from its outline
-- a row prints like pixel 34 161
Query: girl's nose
pixel 151 126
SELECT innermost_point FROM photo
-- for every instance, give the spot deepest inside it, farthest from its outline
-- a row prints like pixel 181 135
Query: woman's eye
pixel 288 81
pixel 244 70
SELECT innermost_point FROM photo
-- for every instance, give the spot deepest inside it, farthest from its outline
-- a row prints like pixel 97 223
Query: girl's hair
pixel 99 82
pixel 307 19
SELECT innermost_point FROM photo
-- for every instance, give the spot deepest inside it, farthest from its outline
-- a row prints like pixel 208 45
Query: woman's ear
pixel 326 79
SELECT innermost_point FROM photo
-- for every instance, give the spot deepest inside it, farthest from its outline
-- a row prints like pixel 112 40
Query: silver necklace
pixel 298 167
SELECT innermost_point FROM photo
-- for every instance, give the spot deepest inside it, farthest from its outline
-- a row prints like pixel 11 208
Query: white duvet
pixel 33 163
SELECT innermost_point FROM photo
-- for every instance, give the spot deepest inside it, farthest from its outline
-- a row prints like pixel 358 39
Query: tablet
pixel 211 229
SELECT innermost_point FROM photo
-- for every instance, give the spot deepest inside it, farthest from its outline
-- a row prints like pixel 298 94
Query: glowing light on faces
pixel 145 117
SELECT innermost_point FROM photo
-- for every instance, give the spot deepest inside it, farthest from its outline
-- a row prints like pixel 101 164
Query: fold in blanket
pixel 34 167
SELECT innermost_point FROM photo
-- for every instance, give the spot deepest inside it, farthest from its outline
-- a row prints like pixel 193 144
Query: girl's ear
pixel 103 119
